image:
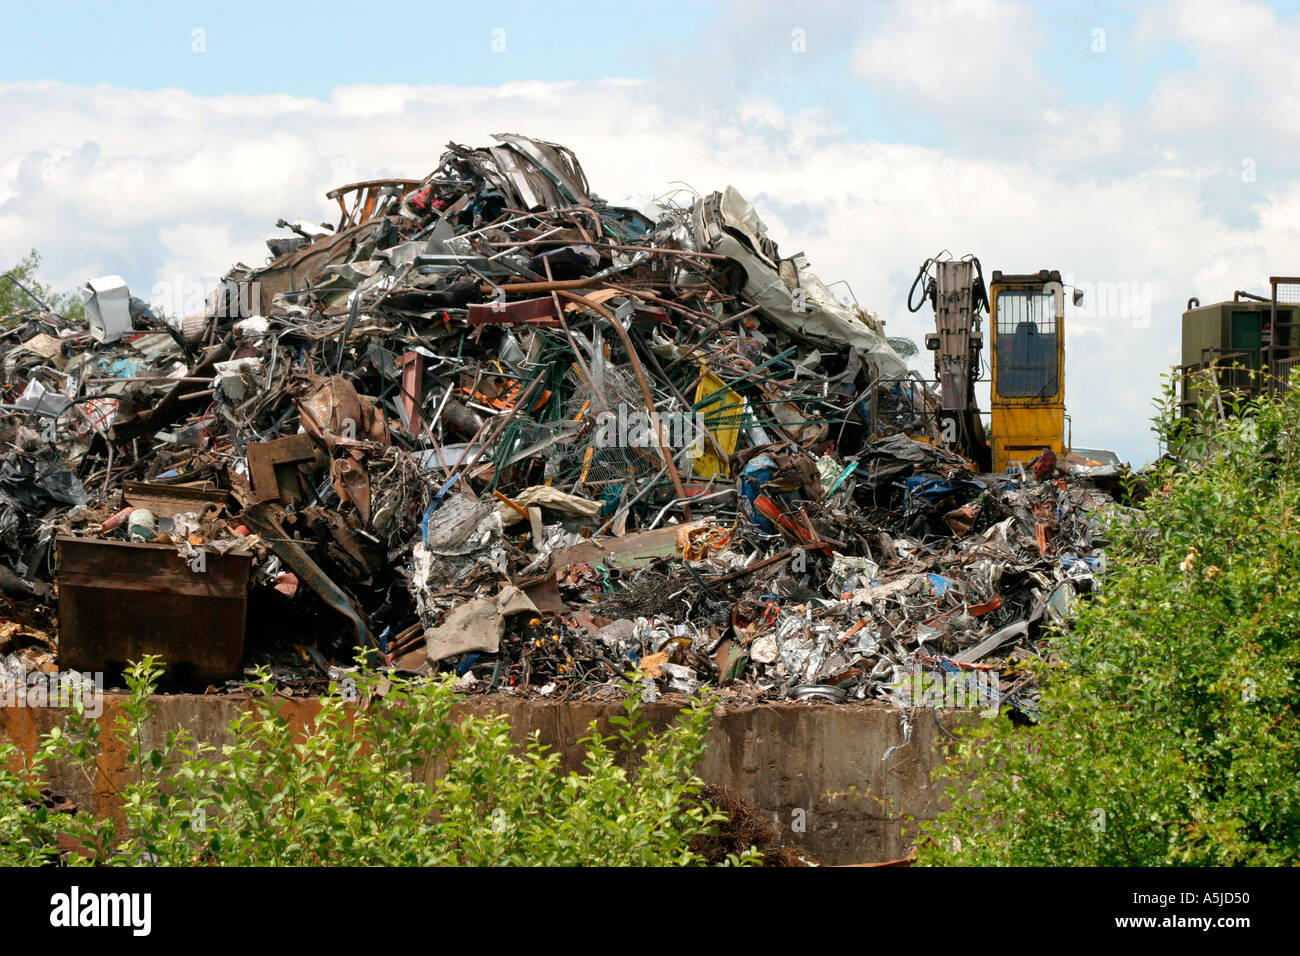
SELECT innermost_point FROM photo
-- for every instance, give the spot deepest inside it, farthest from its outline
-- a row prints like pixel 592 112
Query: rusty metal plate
pixel 539 312
pixel 170 500
pixel 120 600
pixel 271 466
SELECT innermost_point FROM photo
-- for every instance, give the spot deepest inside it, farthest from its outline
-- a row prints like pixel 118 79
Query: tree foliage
pixel 905 347
pixel 27 272
pixel 1168 733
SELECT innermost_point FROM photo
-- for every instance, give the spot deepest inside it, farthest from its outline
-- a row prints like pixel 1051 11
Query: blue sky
pixel 307 49
pixel 1144 146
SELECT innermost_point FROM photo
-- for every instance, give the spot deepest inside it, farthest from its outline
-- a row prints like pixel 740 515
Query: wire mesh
pixel 1286 291
pixel 1281 344
pixel 606 452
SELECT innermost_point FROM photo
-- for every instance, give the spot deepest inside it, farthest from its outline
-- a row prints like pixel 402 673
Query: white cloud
pixel 1236 96
pixel 152 184
pixel 968 63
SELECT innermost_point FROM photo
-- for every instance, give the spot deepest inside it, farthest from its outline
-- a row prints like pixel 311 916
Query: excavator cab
pixel 1027 354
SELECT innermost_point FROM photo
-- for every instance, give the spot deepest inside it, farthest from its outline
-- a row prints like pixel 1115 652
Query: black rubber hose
pixel 981 292
pixel 921 274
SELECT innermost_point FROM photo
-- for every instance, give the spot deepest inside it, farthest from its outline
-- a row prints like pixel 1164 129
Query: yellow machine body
pixel 1027 355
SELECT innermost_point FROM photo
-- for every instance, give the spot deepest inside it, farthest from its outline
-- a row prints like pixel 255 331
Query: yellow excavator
pixel 1026 323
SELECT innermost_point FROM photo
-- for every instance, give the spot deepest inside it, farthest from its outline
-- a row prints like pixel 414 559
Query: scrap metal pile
pixel 489 422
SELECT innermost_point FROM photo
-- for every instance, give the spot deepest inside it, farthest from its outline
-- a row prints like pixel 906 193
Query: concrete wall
pixel 783 758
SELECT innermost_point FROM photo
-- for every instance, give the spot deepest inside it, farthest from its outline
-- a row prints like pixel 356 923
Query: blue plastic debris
pixel 759 469
pixel 939 585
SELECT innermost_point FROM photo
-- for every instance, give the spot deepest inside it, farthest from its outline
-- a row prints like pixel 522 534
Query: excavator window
pixel 1026 331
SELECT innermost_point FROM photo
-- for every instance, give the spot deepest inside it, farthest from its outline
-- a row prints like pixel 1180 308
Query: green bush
pixel 14 299
pixel 1168 733
pixel 356 788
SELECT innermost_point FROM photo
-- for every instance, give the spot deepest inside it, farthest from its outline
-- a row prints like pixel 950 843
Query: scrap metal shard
pixel 786 290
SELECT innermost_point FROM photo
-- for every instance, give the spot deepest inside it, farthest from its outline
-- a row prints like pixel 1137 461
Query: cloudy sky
pixel 1145 150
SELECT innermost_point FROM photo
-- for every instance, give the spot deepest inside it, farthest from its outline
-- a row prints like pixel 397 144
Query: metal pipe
pixel 30 294
pixel 618 247
pixel 556 285
pixel 712 494
pixel 147 378
pixel 646 394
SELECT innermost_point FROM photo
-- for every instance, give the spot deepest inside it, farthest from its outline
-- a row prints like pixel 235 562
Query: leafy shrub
pixel 360 787
pixel 1168 733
